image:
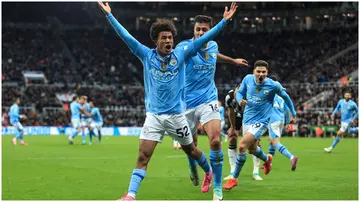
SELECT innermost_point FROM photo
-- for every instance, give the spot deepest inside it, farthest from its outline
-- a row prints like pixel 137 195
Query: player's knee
pixel 215 143
pixel 274 141
pixel 195 139
pixel 242 147
pixel 252 150
pixel 189 149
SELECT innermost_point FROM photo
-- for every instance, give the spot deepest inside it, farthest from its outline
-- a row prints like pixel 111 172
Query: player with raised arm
pixel 76 109
pixel 15 116
pixel 96 122
pixel 201 98
pixel 276 127
pixel 260 92
pixel 235 115
pixel 349 112
pixel 164 82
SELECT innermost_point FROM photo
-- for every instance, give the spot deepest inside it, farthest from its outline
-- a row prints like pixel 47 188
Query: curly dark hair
pixel 162 25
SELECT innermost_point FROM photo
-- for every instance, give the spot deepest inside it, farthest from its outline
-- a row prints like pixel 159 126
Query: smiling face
pixel 200 28
pixel 164 43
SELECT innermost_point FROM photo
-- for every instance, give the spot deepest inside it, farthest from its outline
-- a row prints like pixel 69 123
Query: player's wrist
pixel 108 15
pixel 224 20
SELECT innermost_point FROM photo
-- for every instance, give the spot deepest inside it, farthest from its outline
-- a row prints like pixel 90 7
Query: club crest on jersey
pixel 266 92
pixel 206 56
pixel 213 55
pixel 173 62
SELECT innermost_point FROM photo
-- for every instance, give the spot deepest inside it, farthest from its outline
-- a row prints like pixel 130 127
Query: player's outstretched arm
pixel 136 47
pixel 287 115
pixel 198 43
pixel 240 94
pixel 288 102
pixel 336 108
pixel 226 59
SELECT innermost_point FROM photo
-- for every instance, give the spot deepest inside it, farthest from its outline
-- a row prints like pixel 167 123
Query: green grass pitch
pixel 50 169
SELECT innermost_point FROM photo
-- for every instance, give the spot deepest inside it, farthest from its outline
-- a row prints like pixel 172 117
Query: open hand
pixel 229 13
pixel 104 7
pixel 243 103
pixel 240 61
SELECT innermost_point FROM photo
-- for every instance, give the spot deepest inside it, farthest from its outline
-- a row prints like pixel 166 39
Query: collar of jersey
pixel 163 59
pixel 258 83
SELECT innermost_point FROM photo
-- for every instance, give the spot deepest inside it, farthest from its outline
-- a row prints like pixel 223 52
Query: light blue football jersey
pixel 164 77
pixel 349 110
pixel 200 73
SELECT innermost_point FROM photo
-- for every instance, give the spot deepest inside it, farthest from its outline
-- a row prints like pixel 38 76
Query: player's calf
pixel 213 129
pixel 199 156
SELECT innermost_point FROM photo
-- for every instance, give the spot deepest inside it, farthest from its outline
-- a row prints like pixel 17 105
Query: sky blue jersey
pixel 200 73
pixel 164 78
pixel 75 110
pixel 14 114
pixel 260 98
pixel 278 110
pixel 349 110
pixel 95 115
pixel 87 110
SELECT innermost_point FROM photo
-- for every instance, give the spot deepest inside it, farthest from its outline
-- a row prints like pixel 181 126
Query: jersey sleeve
pixel 281 91
pixel 241 93
pixel 93 111
pixel 288 102
pixel 356 112
pixel 135 46
pixel 337 107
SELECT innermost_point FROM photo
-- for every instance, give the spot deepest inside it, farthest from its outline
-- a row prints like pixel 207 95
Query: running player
pixel 260 92
pixel 14 115
pixel 276 127
pixel 349 112
pixel 201 98
pixel 235 114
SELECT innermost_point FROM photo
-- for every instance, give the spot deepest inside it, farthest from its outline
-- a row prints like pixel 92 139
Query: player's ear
pixel 155 42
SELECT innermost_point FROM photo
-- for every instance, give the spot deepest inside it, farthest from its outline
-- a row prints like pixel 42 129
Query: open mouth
pixel 168 47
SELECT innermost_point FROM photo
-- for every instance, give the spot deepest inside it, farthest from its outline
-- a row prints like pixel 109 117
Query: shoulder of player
pixel 273 83
pixel 183 43
pixel 249 77
pixel 213 45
